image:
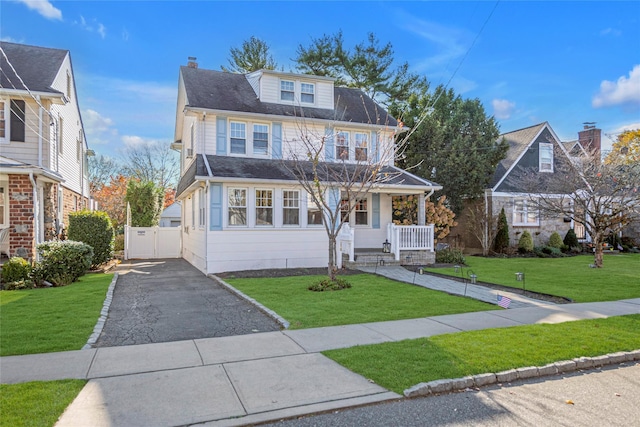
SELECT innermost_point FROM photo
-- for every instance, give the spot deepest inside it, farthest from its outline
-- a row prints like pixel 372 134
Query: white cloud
pixel 44 8
pixel 610 31
pixel 134 141
pixel 503 108
pixel 93 26
pixel 624 91
pixel 100 130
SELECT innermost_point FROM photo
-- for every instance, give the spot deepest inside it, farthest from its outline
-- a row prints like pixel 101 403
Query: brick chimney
pixel 590 137
pixel 192 62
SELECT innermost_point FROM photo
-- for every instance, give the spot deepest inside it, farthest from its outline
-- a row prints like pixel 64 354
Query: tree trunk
pixel 332 258
pixel 597 261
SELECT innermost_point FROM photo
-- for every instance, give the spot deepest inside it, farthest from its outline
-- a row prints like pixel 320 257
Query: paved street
pixel 606 397
pixel 170 300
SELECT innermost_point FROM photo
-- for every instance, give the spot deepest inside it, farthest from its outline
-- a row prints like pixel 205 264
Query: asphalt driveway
pixel 170 300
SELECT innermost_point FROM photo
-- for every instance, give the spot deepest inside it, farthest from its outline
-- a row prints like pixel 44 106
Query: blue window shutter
pixel 375 209
pixel 276 140
pixel 328 144
pixel 221 136
pixel 215 195
pixel 374 146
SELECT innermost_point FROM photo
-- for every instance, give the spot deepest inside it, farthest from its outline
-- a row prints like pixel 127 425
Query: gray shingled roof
pixel 217 90
pixel 251 169
pixel 518 141
pixel 37 66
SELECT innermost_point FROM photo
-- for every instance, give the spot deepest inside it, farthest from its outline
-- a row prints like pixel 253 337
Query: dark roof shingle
pixel 36 66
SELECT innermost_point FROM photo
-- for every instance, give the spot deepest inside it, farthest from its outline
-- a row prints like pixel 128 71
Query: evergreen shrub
pixel 501 241
pixel 96 230
pixel 16 269
pixel 62 263
pixel 555 241
pixel 525 244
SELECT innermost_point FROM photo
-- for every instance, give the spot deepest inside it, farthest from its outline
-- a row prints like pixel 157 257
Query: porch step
pixel 370 259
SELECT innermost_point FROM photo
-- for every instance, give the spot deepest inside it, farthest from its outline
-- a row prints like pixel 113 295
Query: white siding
pixel 193 237
pixel 187 143
pixel 254 81
pixel 26 151
pixel 324 95
pixel 270 88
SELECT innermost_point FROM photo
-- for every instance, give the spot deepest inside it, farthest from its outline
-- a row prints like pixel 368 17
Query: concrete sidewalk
pixel 251 378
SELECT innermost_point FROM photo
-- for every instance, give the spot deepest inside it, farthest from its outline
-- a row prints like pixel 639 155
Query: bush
pixel 18 285
pixel 555 241
pixel 501 241
pixel 62 263
pixel 16 269
pixel 450 256
pixel 525 244
pixel 94 229
pixel 119 243
pixel 329 285
pixel 547 252
pixel 571 240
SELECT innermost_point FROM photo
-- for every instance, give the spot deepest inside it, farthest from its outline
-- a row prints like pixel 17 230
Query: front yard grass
pixel 400 365
pixel 370 299
pixel 569 277
pixel 36 404
pixel 51 319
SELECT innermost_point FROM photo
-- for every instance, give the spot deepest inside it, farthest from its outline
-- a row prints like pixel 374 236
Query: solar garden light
pixel 456 268
pixel 520 278
pixel 474 278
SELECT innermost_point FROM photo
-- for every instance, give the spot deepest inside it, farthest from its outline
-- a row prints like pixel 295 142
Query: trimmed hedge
pixel 95 229
pixel 62 263
pixel 555 241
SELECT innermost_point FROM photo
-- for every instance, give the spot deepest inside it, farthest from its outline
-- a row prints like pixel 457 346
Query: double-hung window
pixel 546 157
pixel 290 207
pixel 3 121
pixel 17 123
pixel 361 146
pixel 344 210
pixel 260 139
pixel 307 93
pixel 238 137
pixel 201 206
pixel 525 212
pixel 342 146
pixel 3 207
pixel 362 216
pixel 264 207
pixel 237 206
pixel 287 90
pixel 314 215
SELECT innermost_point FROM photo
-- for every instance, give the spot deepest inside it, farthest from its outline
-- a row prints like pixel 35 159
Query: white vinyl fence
pixel 152 242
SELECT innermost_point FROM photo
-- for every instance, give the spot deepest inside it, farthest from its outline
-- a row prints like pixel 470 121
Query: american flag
pixel 504 301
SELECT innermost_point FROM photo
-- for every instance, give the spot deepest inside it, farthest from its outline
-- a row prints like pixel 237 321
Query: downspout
pixel 36 211
pixel 39 131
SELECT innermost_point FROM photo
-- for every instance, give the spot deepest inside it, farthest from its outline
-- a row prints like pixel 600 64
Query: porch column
pixel 421 212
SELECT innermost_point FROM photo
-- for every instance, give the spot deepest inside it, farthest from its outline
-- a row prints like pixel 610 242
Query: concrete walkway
pixel 454 287
pixel 250 378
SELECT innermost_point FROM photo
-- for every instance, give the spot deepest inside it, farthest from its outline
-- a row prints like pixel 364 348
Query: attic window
pixel 287 90
pixel 546 157
pixel 307 93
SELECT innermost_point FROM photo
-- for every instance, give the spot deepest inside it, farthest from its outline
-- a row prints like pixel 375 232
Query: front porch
pixel 404 245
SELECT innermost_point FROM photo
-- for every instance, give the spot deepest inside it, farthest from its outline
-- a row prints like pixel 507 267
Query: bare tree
pixel 604 197
pixel 102 170
pixel 152 162
pixel 335 187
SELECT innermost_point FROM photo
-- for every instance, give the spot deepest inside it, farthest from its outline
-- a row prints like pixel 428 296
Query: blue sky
pixel 528 62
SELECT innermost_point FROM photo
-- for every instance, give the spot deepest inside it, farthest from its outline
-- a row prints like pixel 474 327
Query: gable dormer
pixel 300 90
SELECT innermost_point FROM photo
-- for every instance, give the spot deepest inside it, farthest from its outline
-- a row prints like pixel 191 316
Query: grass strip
pixel 51 319
pixel 38 403
pixel 400 365
pixel 569 277
pixel 370 299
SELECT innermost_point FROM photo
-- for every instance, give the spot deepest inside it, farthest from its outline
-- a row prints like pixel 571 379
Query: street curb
pixel 561 367
pixel 275 316
pixel 97 330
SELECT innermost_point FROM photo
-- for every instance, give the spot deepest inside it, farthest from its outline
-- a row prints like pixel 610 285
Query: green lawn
pixel 400 365
pixel 36 404
pixel 51 319
pixel 370 299
pixel 569 277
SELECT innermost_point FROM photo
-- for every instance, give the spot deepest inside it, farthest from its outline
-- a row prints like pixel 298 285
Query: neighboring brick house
pixel 241 206
pixel 532 149
pixel 43 150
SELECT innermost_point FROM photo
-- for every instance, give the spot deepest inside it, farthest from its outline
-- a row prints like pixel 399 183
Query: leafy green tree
pixel 252 56
pixel 501 243
pixel 369 66
pixel 145 199
pixel 455 143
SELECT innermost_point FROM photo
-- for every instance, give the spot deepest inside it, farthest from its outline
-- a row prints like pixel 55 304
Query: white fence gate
pixel 152 242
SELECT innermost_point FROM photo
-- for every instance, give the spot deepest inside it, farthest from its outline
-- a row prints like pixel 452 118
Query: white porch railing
pixel 345 244
pixel 410 237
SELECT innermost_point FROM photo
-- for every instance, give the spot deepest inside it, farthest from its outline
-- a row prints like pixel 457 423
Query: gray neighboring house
pixel 171 215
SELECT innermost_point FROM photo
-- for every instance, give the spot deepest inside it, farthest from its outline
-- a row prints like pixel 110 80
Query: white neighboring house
pixel 171 215
pixel 43 150
pixel 241 206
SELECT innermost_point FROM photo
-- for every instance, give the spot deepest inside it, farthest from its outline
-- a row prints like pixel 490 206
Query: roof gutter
pixel 56 96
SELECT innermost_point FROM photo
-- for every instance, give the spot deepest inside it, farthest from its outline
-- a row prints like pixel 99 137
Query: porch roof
pixel 242 169
pixel 14 167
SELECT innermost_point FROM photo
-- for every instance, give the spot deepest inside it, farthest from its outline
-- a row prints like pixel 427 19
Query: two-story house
pixel 43 150
pixel 242 208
